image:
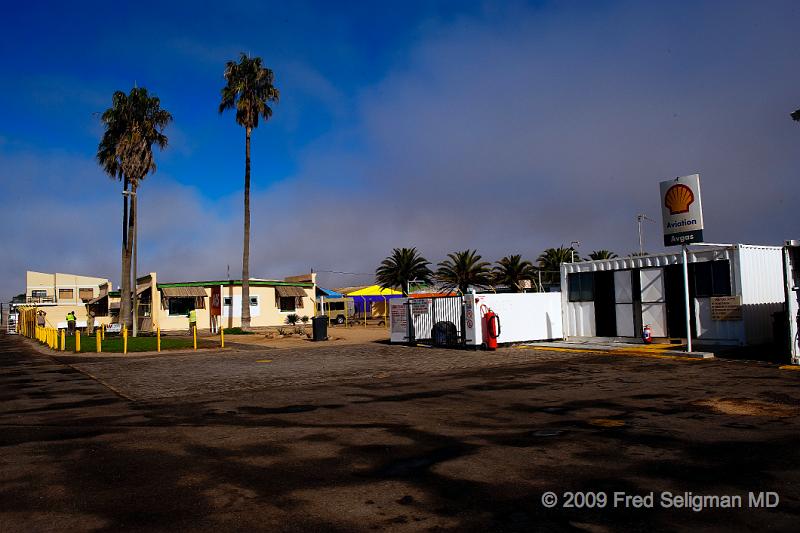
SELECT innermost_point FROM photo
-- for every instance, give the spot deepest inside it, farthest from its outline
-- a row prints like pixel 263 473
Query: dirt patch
pixel 745 407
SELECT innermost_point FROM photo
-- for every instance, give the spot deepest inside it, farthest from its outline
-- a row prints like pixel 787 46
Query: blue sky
pixel 506 127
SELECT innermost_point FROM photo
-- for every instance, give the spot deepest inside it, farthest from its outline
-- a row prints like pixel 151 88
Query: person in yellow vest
pixel 71 322
pixel 192 320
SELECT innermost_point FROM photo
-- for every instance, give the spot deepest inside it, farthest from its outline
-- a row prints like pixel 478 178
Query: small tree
pixel 550 262
pixel 292 319
pixel 462 270
pixel 512 270
pixel 601 254
pixel 403 266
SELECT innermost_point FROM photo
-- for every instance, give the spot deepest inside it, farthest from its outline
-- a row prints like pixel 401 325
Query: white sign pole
pixel 685 257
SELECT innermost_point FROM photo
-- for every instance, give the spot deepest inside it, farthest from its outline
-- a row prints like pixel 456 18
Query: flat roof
pixel 238 282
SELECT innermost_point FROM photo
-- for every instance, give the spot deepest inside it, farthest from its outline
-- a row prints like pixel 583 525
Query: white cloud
pixel 510 135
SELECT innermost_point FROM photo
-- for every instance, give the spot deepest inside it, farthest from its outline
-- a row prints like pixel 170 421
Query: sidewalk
pixel 617 347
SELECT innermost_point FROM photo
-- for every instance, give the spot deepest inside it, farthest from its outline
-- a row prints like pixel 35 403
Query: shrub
pixel 292 319
pixel 236 331
pixel 305 319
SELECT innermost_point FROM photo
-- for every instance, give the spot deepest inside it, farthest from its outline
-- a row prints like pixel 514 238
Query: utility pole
pixel 639 219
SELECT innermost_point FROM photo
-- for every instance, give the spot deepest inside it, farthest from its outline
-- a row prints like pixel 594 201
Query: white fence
pixel 523 317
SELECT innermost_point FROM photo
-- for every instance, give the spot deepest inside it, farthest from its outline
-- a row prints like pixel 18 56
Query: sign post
pixel 682 214
pixel 685 260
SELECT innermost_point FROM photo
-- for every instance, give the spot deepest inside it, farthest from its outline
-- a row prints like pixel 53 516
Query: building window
pixel 86 294
pixel 581 287
pixel 38 294
pixel 712 278
pixel 180 306
pixel 287 303
pixel 254 301
pixel 227 301
pixel 65 294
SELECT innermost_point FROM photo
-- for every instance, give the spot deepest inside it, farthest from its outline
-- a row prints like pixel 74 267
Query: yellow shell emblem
pixel 678 199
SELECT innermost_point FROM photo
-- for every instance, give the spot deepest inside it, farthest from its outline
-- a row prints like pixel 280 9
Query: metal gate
pixel 438 321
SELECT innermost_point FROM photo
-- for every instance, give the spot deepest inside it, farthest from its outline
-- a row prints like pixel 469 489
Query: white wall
pixel 760 275
pixel 580 319
pixel 523 317
pixel 716 330
pixel 235 310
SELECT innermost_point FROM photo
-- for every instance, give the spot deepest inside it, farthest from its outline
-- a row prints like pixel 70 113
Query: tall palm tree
pixel 601 254
pixel 133 124
pixel 404 265
pixel 250 89
pixel 550 262
pixel 512 270
pixel 462 270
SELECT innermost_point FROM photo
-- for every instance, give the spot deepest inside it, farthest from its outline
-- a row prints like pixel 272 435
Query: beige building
pixel 219 303
pixel 57 294
pixel 166 305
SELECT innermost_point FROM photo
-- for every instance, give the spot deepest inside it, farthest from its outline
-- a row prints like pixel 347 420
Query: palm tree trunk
pixel 128 260
pixel 246 244
pixel 125 282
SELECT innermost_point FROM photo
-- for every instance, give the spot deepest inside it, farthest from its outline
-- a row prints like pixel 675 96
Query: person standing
pixel 40 321
pixel 90 323
pixel 71 322
pixel 192 320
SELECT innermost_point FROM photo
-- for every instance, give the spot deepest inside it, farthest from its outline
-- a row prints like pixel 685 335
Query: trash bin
pixel 319 325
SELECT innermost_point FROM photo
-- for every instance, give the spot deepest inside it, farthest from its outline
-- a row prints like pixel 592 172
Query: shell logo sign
pixel 678 199
pixel 681 210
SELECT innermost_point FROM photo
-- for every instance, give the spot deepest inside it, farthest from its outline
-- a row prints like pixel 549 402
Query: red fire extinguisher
pixel 647 334
pixel 492 329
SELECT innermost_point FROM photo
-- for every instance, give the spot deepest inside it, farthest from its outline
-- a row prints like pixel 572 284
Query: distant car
pixel 334 308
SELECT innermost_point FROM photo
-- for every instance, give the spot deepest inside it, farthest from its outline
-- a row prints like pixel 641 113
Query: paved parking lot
pixel 376 437
pixel 152 377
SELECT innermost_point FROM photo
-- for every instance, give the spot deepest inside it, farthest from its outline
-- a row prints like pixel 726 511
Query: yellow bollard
pixel 99 345
pixel 158 339
pixel 194 336
pixel 125 339
pixel 221 337
pixel 63 341
pixel 77 340
pixel 103 330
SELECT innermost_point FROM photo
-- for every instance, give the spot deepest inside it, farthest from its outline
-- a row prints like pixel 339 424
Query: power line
pixel 349 273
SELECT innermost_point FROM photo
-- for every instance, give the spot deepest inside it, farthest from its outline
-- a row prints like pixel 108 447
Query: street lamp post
pixel 572 246
pixel 639 219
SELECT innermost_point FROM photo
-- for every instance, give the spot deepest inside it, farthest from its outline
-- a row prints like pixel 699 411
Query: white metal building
pixel 792 279
pixel 734 291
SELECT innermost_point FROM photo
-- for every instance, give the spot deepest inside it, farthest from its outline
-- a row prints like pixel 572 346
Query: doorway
pixel 605 314
pixel 676 313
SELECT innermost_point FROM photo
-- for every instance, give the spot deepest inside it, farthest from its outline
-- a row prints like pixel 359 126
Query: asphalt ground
pixel 377 437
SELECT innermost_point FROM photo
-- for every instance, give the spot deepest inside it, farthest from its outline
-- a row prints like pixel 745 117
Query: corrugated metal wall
pixel 760 275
